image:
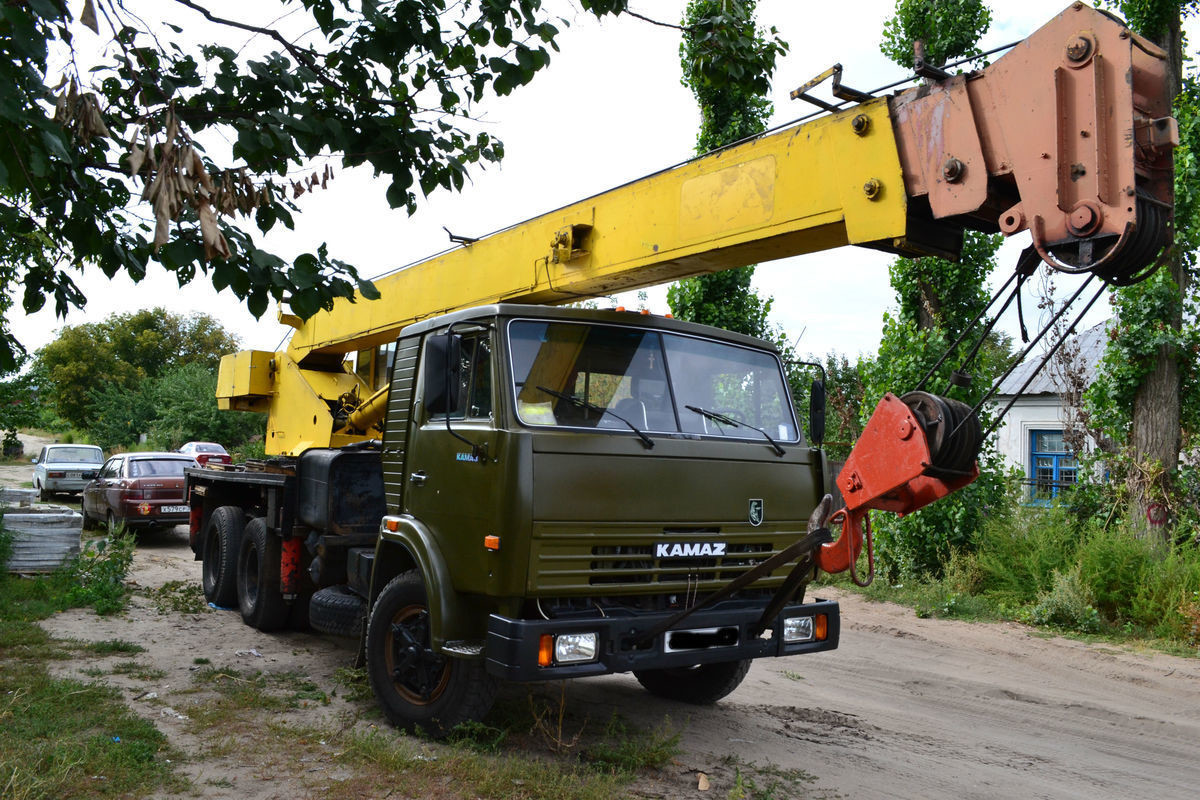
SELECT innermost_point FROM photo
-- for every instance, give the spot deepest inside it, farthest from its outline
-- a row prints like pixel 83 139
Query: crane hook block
pixel 914 450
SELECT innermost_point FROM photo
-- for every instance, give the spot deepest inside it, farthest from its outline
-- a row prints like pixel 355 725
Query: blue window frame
pixel 1052 466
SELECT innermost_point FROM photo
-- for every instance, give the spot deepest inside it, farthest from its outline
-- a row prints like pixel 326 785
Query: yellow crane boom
pixel 1067 136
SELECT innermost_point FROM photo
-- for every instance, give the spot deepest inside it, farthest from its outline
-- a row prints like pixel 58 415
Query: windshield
pixel 74 455
pixel 145 468
pixel 646 378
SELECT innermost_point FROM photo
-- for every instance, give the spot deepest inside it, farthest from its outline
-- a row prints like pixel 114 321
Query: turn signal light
pixel 491 542
pixel 392 525
pixel 545 650
pixel 822 627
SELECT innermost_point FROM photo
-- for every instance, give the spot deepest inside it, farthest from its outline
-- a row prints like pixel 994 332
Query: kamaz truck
pixel 483 484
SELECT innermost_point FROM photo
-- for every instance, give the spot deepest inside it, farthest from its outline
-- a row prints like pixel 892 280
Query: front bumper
pixel 512 644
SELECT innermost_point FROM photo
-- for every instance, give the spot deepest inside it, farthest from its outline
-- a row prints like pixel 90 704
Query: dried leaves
pixel 79 112
pixel 176 178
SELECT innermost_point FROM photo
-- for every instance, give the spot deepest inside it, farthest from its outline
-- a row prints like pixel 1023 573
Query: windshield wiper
pixel 575 401
pixel 725 419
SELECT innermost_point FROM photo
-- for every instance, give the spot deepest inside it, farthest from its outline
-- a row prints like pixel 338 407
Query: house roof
pixel 1091 347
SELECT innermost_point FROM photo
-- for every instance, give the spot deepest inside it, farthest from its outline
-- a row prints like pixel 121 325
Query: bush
pixel 1019 556
pixel 1067 605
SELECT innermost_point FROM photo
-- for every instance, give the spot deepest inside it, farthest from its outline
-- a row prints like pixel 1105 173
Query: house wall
pixel 1029 413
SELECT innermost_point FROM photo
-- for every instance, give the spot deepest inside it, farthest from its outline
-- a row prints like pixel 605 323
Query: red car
pixel 207 453
pixel 141 490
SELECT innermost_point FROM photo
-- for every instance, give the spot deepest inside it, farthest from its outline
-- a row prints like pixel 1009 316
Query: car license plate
pixel 74 476
pixel 175 509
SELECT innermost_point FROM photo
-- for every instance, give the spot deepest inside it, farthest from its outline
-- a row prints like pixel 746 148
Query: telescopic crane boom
pixel 1067 136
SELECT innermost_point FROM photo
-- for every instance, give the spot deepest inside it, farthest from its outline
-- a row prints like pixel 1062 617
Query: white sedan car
pixel 65 468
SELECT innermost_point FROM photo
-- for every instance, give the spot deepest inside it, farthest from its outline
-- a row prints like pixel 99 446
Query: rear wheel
pixel 417 687
pixel 259 598
pixel 42 494
pixel 222 541
pixel 702 684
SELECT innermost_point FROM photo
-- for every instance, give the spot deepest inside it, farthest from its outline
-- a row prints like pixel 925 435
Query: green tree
pixel 949 28
pixel 123 351
pixel 732 107
pixel 186 410
pixel 1147 391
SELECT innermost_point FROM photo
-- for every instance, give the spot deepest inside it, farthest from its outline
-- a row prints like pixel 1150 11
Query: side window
pixel 475 378
pixel 109 469
pixel 42 456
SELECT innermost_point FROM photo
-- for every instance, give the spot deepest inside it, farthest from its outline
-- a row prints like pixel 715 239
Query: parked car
pixel 141 490
pixel 65 468
pixel 207 453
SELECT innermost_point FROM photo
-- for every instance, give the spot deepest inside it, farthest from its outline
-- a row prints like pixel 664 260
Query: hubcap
pixel 420 675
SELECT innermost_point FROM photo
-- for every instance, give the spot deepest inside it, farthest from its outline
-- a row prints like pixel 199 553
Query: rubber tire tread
pixel 701 685
pixel 260 552
pixel 338 611
pixel 468 697
pixel 225 528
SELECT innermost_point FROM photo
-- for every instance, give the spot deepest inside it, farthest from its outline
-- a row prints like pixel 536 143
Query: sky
pixel 610 108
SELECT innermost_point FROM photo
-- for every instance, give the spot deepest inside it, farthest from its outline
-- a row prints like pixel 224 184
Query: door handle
pixel 417 478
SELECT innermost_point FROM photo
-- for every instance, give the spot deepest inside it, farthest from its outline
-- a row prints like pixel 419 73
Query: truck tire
pixel 259 598
pixel 337 610
pixel 222 541
pixel 703 684
pixel 415 686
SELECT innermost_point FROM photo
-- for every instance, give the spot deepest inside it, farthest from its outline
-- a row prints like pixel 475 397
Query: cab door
pixel 454 467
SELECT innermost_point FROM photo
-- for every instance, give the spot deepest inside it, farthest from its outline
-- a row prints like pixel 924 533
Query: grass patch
pixel 621 749
pixel 138 671
pixel 754 782
pixel 379 758
pixel 113 647
pixel 240 694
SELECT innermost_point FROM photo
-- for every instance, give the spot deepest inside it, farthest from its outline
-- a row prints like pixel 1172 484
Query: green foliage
pixel 723 300
pixel 96 577
pixel 6 550
pixel 949 28
pixel 393 86
pixel 1068 605
pixel 119 415
pixel 124 351
pixel 1153 18
pixel 186 410
pixel 727 63
pixel 1019 554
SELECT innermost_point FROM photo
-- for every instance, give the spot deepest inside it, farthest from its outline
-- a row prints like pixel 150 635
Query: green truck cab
pixel 555 488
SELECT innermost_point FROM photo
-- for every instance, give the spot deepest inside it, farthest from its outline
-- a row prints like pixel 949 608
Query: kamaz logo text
pixel 689 549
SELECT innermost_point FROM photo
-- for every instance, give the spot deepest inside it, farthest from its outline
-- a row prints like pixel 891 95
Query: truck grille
pixel 577 561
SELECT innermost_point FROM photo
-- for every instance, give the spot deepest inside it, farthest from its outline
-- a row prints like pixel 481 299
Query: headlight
pixel 574 648
pixel 798 629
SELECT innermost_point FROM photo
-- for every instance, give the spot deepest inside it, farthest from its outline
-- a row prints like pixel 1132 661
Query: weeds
pixel 628 751
pixel 96 577
pixel 113 647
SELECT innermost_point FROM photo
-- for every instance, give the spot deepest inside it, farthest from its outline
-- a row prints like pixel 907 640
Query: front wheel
pixel 702 684
pixel 415 686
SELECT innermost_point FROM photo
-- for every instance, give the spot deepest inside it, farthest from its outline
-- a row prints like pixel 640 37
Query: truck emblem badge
pixel 756 512
pixel 689 549
pixel 471 457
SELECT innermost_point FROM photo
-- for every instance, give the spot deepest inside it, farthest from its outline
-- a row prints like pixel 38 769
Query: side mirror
pixel 816 412
pixel 443 362
pixel 33 460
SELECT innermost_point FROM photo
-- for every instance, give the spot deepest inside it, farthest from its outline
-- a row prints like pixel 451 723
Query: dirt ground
pixel 905 708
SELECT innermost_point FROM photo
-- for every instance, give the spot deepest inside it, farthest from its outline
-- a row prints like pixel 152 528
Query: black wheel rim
pixel 419 674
